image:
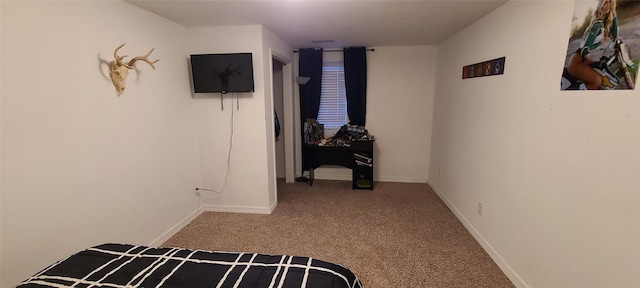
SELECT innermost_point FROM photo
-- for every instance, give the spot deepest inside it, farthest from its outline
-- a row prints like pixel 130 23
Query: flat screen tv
pixel 222 73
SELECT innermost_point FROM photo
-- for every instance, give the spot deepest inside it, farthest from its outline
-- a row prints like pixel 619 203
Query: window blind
pixel 333 98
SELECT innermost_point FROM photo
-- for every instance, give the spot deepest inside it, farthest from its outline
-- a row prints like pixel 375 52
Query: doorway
pixel 278 105
pixel 283 104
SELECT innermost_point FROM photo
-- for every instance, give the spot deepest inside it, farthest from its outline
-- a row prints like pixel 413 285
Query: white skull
pixel 118 75
pixel 118 70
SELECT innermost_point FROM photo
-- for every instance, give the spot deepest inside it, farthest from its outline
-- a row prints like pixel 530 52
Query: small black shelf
pixel 362 171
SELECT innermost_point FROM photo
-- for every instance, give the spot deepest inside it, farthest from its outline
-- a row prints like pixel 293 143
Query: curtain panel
pixel 355 80
pixel 309 65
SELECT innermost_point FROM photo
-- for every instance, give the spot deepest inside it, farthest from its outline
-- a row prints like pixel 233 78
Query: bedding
pixel 123 265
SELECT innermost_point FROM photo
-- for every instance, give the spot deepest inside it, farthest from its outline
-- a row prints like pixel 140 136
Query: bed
pixel 123 265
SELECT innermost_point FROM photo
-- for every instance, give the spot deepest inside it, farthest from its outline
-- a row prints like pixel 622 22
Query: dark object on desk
pixel 121 265
pixel 313 132
pixel 358 156
pixel 346 135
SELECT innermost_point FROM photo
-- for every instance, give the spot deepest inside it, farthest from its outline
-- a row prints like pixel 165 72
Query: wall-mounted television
pixel 222 73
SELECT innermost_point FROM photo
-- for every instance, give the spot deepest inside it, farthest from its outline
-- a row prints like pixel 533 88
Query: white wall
pixel 556 171
pixel 232 128
pixel 400 93
pixel 80 165
pixel 250 185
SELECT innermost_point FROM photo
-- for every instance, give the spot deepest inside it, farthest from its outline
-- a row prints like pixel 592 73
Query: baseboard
pixel 401 179
pixel 166 235
pixel 273 205
pixel 503 265
pixel 347 177
pixel 332 174
pixel 239 209
pixel 210 208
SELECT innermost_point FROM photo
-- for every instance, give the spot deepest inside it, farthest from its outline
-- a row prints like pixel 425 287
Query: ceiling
pixel 309 23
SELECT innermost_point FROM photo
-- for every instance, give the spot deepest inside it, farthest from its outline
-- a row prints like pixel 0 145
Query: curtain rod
pixel 324 50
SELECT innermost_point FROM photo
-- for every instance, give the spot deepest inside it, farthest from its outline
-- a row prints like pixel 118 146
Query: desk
pixel 358 157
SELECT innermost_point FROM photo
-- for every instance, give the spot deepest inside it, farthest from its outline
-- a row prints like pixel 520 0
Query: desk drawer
pixel 362 145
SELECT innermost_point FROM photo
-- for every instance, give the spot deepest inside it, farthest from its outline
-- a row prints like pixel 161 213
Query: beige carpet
pixel 398 235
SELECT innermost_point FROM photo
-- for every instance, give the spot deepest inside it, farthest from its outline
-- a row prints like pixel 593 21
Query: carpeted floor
pixel 398 235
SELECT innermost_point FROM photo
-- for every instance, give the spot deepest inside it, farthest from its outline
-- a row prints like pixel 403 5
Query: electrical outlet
pixel 438 172
pixel 479 208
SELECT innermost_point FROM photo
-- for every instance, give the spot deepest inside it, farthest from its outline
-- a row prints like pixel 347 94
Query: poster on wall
pixel 604 46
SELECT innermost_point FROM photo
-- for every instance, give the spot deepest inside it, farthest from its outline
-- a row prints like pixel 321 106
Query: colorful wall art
pixel 486 68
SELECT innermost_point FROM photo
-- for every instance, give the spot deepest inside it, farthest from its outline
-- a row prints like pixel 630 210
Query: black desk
pixel 358 157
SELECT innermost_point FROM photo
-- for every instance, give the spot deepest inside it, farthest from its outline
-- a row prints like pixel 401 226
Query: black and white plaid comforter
pixel 119 265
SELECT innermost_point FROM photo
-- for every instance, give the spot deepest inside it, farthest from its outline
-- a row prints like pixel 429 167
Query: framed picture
pixel 486 68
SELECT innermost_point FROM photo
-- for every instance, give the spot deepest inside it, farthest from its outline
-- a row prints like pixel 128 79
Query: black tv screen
pixel 222 73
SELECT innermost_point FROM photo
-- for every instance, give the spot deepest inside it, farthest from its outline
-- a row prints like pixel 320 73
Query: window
pixel 333 100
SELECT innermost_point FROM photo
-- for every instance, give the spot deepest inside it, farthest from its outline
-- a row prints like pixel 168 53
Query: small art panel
pixel 486 68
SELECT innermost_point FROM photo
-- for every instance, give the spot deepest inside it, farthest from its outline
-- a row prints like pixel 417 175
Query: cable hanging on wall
pixel 226 177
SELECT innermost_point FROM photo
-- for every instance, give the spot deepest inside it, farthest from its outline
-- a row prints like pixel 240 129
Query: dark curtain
pixel 310 65
pixel 355 80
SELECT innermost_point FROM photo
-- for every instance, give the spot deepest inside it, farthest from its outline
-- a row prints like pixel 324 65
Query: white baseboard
pixel 210 208
pixel 166 235
pixel 347 177
pixel 273 205
pixel 331 176
pixel 239 209
pixel 503 265
pixel 401 179
pixel 332 173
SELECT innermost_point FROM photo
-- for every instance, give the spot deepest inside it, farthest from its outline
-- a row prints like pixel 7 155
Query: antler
pixel 144 58
pixel 118 70
pixel 120 58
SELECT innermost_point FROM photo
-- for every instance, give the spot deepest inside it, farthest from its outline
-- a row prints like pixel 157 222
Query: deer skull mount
pixel 119 70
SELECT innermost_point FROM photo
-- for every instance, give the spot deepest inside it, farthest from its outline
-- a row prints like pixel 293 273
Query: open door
pixel 283 106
